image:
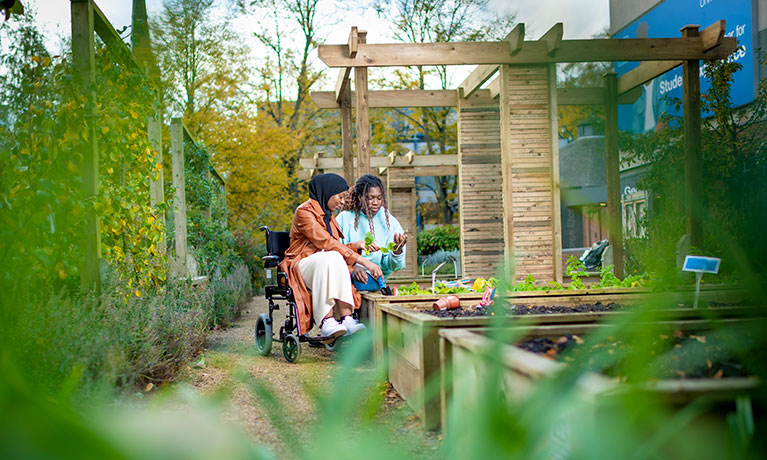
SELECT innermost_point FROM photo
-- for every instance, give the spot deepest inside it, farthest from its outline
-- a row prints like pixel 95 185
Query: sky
pixel 581 18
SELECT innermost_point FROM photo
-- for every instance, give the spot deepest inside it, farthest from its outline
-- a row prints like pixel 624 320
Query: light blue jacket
pixel 388 262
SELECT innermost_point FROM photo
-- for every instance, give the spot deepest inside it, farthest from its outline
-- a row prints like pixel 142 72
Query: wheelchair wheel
pixel 263 334
pixel 291 348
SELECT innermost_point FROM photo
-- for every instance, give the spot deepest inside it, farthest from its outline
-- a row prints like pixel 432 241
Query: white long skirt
pixel 327 277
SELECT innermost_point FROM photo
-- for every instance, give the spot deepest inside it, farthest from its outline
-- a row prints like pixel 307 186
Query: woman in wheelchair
pixel 317 257
pixel 366 211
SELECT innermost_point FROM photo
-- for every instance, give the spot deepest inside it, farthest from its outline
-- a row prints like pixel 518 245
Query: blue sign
pixel 700 264
pixel 666 21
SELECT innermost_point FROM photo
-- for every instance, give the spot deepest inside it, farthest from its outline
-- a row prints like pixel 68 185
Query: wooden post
pixel 480 185
pixel 179 198
pixel 157 185
pixel 556 206
pixel 526 163
pixel 84 61
pixel 612 155
pixel 402 198
pixel 693 166
pixel 363 116
pixel 347 135
pixel 506 189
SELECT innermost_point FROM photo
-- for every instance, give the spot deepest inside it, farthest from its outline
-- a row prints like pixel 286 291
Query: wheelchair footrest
pixel 318 339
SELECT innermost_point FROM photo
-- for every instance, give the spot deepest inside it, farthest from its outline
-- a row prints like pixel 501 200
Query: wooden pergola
pixel 508 160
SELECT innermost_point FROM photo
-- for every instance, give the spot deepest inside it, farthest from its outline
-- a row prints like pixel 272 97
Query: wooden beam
pixel 342 83
pixel 495 88
pixel 477 78
pixel 612 158
pixel 392 98
pixel 382 161
pixel 644 73
pixel 553 39
pixel 347 136
pixel 711 37
pixel 353 41
pixel 420 171
pixel 483 73
pixel 532 52
pixel 579 96
pixel 362 114
pixel 693 166
pixel 84 63
pixel 516 38
pixel 111 38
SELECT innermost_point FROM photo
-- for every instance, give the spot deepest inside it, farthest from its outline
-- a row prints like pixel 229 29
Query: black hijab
pixel 322 187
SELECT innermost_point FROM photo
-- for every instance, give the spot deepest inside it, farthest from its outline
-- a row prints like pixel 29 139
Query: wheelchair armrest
pixel 270 261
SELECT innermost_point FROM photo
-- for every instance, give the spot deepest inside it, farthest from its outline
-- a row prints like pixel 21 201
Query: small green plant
pixel 608 279
pixel 576 270
pixel 440 288
pixel 369 241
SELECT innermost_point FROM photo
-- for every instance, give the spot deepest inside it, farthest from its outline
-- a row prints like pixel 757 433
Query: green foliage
pixel 608 279
pixel 207 215
pixel 446 237
pixel 439 288
pixel 229 293
pixel 42 207
pixel 576 270
pixel 126 337
pixel 369 241
pixel 734 200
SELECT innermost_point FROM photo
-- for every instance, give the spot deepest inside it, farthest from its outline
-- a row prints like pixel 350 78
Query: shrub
pixel 229 293
pixel 124 338
pixel 446 238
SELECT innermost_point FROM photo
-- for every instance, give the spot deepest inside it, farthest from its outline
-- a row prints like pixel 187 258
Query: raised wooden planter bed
pixel 465 366
pixel 407 340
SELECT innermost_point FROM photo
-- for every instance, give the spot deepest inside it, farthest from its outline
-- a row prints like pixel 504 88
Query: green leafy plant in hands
pixel 369 241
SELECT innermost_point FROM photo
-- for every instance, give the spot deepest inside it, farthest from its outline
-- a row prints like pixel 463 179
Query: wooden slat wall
pixel 402 200
pixel 480 185
pixel 526 151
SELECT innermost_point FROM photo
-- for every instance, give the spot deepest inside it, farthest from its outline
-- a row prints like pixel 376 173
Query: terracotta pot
pixel 447 303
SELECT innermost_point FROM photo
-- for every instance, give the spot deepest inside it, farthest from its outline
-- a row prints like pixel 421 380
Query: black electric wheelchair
pixel 278 289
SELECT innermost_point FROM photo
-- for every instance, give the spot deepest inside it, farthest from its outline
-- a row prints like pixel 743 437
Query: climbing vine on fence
pixel 130 226
pixel 207 215
pixel 42 208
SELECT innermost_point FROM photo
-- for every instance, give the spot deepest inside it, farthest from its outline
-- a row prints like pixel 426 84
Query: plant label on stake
pixel 700 265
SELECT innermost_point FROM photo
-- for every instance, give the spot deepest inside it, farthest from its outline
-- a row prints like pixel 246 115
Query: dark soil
pixel 672 356
pixel 478 310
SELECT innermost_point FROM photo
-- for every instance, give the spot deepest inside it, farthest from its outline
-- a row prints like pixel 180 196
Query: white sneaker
pixel 332 328
pixel 352 325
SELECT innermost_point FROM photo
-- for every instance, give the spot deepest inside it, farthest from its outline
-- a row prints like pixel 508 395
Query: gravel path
pixel 230 363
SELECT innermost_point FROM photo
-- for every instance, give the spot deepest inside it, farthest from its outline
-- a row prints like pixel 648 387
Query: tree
pixel 428 21
pixel 203 61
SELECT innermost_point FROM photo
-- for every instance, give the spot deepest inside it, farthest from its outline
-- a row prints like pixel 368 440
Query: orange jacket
pixel 307 236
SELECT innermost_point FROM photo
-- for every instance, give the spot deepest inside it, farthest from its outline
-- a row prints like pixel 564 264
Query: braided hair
pixel 359 204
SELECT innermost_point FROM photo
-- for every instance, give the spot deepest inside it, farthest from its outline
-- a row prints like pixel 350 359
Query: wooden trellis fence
pixel 88 19
pixel 522 144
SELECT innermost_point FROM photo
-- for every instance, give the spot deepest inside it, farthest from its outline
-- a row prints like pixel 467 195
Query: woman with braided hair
pixel 318 263
pixel 366 211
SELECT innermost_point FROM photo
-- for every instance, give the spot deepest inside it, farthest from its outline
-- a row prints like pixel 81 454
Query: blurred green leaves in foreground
pixel 559 416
